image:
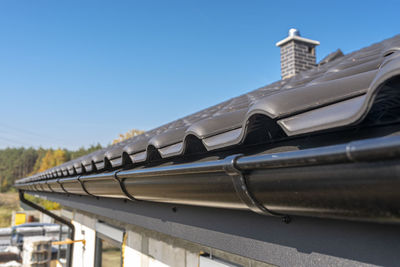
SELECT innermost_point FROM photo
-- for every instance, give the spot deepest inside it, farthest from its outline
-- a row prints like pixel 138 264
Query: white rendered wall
pixel 83 256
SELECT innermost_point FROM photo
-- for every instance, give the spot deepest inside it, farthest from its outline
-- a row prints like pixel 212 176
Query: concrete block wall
pixel 150 252
pixel 146 248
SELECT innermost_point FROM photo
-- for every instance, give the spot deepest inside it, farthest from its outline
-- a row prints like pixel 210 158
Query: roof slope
pixel 336 94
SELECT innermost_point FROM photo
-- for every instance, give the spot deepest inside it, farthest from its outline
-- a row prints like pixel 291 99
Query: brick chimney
pixel 297 54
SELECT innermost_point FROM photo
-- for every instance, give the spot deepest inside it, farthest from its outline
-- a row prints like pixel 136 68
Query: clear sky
pixel 74 73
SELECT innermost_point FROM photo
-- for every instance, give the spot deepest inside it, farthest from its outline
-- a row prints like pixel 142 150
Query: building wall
pixel 144 251
pixel 145 248
pixel 83 255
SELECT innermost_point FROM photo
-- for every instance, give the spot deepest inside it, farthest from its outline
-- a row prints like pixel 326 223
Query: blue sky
pixel 75 73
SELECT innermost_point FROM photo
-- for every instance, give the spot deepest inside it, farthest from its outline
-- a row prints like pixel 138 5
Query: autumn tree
pixel 16 163
pixel 82 151
pixel 127 135
pixel 41 152
pixel 52 159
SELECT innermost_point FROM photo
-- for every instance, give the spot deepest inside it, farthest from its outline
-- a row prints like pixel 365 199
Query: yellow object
pixel 123 249
pixel 68 241
pixel 55 263
pixel 20 218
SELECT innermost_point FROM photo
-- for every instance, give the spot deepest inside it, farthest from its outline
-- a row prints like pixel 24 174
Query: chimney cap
pixel 294 34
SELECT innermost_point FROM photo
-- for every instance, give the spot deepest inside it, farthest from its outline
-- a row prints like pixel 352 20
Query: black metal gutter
pixel 359 180
pixel 56 218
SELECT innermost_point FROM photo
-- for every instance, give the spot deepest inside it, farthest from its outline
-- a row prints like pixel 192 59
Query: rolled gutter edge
pixel 214 184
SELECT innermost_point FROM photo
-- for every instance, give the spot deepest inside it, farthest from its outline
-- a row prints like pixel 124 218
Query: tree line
pixel 16 163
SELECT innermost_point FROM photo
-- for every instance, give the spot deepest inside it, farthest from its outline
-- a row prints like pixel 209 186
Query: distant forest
pixel 17 163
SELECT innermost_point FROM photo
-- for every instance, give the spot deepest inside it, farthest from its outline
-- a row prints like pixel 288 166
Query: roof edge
pixel 297 38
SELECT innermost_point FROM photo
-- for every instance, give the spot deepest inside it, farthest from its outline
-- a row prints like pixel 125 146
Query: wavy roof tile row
pixel 226 124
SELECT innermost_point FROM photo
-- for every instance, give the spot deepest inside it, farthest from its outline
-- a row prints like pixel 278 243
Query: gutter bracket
pixel 240 185
pixel 61 185
pixel 83 186
pixel 122 186
pixel 51 189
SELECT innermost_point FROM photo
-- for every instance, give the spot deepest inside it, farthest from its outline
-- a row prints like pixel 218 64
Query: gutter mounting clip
pixel 122 186
pixel 84 188
pixel 61 185
pixel 240 185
